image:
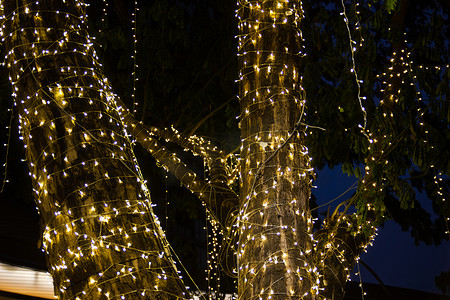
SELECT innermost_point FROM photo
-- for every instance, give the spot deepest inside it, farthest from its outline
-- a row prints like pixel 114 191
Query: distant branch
pixel 197 145
pixel 219 198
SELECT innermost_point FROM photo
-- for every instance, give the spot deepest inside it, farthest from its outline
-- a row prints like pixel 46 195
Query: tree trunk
pixel 100 233
pixel 274 219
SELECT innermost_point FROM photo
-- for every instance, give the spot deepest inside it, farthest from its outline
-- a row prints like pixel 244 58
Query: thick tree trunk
pixel 100 234
pixel 274 220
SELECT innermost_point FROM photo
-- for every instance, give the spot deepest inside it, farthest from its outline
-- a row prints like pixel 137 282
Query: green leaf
pixel 347 168
pixel 391 5
pixel 357 172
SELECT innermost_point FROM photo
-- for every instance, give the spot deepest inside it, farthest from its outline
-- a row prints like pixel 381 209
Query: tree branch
pixel 220 200
pixel 197 145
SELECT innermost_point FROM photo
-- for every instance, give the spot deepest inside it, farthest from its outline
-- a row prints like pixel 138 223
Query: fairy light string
pixel 135 65
pixel 383 142
pixel 275 246
pixel 212 249
pixel 220 200
pixel 328 249
pixel 76 147
pixel 7 145
pixel 353 48
pixel 58 94
pixel 344 236
pixel 437 174
pixel 221 175
pixel 51 110
pixel 105 6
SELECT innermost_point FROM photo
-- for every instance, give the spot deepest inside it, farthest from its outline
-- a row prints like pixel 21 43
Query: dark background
pixel 186 54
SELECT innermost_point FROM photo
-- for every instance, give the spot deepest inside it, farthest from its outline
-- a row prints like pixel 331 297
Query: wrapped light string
pixel 197 145
pixel 89 190
pixel 262 153
pixel 218 198
pixel 215 159
pixel 275 241
pixel 215 193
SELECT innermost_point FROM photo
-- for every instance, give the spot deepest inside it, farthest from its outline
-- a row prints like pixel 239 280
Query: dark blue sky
pixel 393 256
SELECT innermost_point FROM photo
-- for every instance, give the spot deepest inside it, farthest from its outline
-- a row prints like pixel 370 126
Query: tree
pixel 99 229
pixel 92 197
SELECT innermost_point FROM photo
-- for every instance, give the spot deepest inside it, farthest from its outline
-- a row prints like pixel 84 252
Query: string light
pixel 218 197
pixel 90 192
pixel 352 46
pixel 213 250
pixel 273 163
pixel 407 63
pixel 166 199
pixel 135 65
pixel 5 173
pixel 104 16
pixel 274 232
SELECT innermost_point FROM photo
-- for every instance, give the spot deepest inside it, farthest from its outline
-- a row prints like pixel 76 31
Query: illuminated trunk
pixel 274 220
pixel 99 231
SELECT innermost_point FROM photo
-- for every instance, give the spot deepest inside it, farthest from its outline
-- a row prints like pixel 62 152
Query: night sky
pixel 394 256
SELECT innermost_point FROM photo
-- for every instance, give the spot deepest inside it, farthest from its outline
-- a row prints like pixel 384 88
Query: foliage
pixel 187 66
pixel 391 5
pixel 418 134
pixel 186 58
pixel 442 282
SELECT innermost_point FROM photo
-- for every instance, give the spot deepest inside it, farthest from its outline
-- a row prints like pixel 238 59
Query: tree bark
pixel 219 198
pixel 274 221
pixel 100 233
